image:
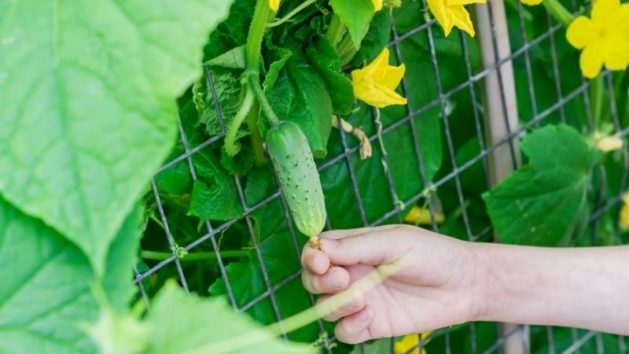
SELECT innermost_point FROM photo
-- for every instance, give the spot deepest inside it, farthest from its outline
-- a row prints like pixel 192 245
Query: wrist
pixel 484 292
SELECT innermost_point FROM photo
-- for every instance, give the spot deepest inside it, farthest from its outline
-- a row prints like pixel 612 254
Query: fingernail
pixel 363 315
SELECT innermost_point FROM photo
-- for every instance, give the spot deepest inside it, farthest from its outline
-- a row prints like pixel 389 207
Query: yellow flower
pixel 422 216
pixel 624 213
pixel 607 143
pixel 451 13
pixel 411 341
pixel 375 83
pixel 377 4
pixel 531 2
pixel 604 38
pixel 274 5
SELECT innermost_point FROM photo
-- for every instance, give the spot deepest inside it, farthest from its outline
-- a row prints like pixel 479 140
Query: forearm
pixel 575 287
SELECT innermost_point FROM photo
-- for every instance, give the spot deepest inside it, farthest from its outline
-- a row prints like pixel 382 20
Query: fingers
pixel 374 247
pixel 354 328
pixel 314 260
pixel 333 281
pixel 339 234
pixel 356 304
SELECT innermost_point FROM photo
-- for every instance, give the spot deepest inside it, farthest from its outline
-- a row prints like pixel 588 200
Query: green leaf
pixel 378 36
pixel 301 95
pixel 214 195
pixel 232 32
pixel 231 59
pixel 356 15
pixel 259 184
pixel 545 202
pixel 196 324
pixel 536 207
pixel 227 87
pixel 558 146
pixel 175 180
pixel 326 61
pixel 92 111
pixel 279 57
pixel 239 164
pixel 47 284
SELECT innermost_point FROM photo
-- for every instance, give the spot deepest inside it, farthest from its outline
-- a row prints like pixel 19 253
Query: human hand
pixel 435 282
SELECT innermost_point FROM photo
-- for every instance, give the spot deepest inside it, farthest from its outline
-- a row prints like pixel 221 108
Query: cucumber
pixel 294 165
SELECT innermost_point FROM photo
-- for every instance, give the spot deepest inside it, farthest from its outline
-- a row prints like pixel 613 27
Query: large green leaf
pixel 544 202
pixel 214 195
pixel 324 58
pixel 89 112
pixel 196 324
pixel 356 15
pixel 47 282
pixel 300 95
pixel 558 146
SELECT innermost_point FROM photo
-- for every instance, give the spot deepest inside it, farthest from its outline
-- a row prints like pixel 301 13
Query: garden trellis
pixel 512 86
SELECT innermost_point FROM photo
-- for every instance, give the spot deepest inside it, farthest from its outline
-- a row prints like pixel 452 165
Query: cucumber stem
pixel 597 100
pixel 231 145
pixel 256 33
pixel 194 256
pixel 256 139
pixel 269 113
pixel 346 50
pixel 291 14
pixel 558 12
pixel 337 28
pixel 253 52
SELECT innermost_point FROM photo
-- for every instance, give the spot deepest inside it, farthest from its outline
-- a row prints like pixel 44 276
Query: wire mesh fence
pixel 541 100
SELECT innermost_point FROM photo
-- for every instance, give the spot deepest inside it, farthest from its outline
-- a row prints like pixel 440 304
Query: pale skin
pixel 441 281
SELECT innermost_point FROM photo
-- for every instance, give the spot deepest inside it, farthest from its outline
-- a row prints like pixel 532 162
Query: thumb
pixel 369 246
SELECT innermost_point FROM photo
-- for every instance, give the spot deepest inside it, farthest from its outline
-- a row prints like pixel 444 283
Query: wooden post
pixel 501 120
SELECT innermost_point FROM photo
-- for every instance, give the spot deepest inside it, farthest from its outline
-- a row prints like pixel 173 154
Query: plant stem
pixel 256 33
pixel 336 30
pixel 346 50
pixel 251 338
pixel 269 113
pixel 558 11
pixel 231 145
pixel 292 14
pixel 597 100
pixel 256 139
pixel 195 256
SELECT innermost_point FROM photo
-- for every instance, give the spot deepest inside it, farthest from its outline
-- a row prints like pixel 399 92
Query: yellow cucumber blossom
pixel 624 213
pixel 375 83
pixel 274 5
pixel 377 4
pixel 531 2
pixel 410 343
pixel 604 37
pixel 451 13
pixel 607 143
pixel 422 216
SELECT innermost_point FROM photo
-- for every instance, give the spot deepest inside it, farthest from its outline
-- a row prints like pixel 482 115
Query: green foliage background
pixel 88 113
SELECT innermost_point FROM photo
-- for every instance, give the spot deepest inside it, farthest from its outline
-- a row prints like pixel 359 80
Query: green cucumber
pixel 299 180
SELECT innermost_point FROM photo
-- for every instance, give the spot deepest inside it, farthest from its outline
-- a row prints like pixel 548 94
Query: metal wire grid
pixel 471 83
